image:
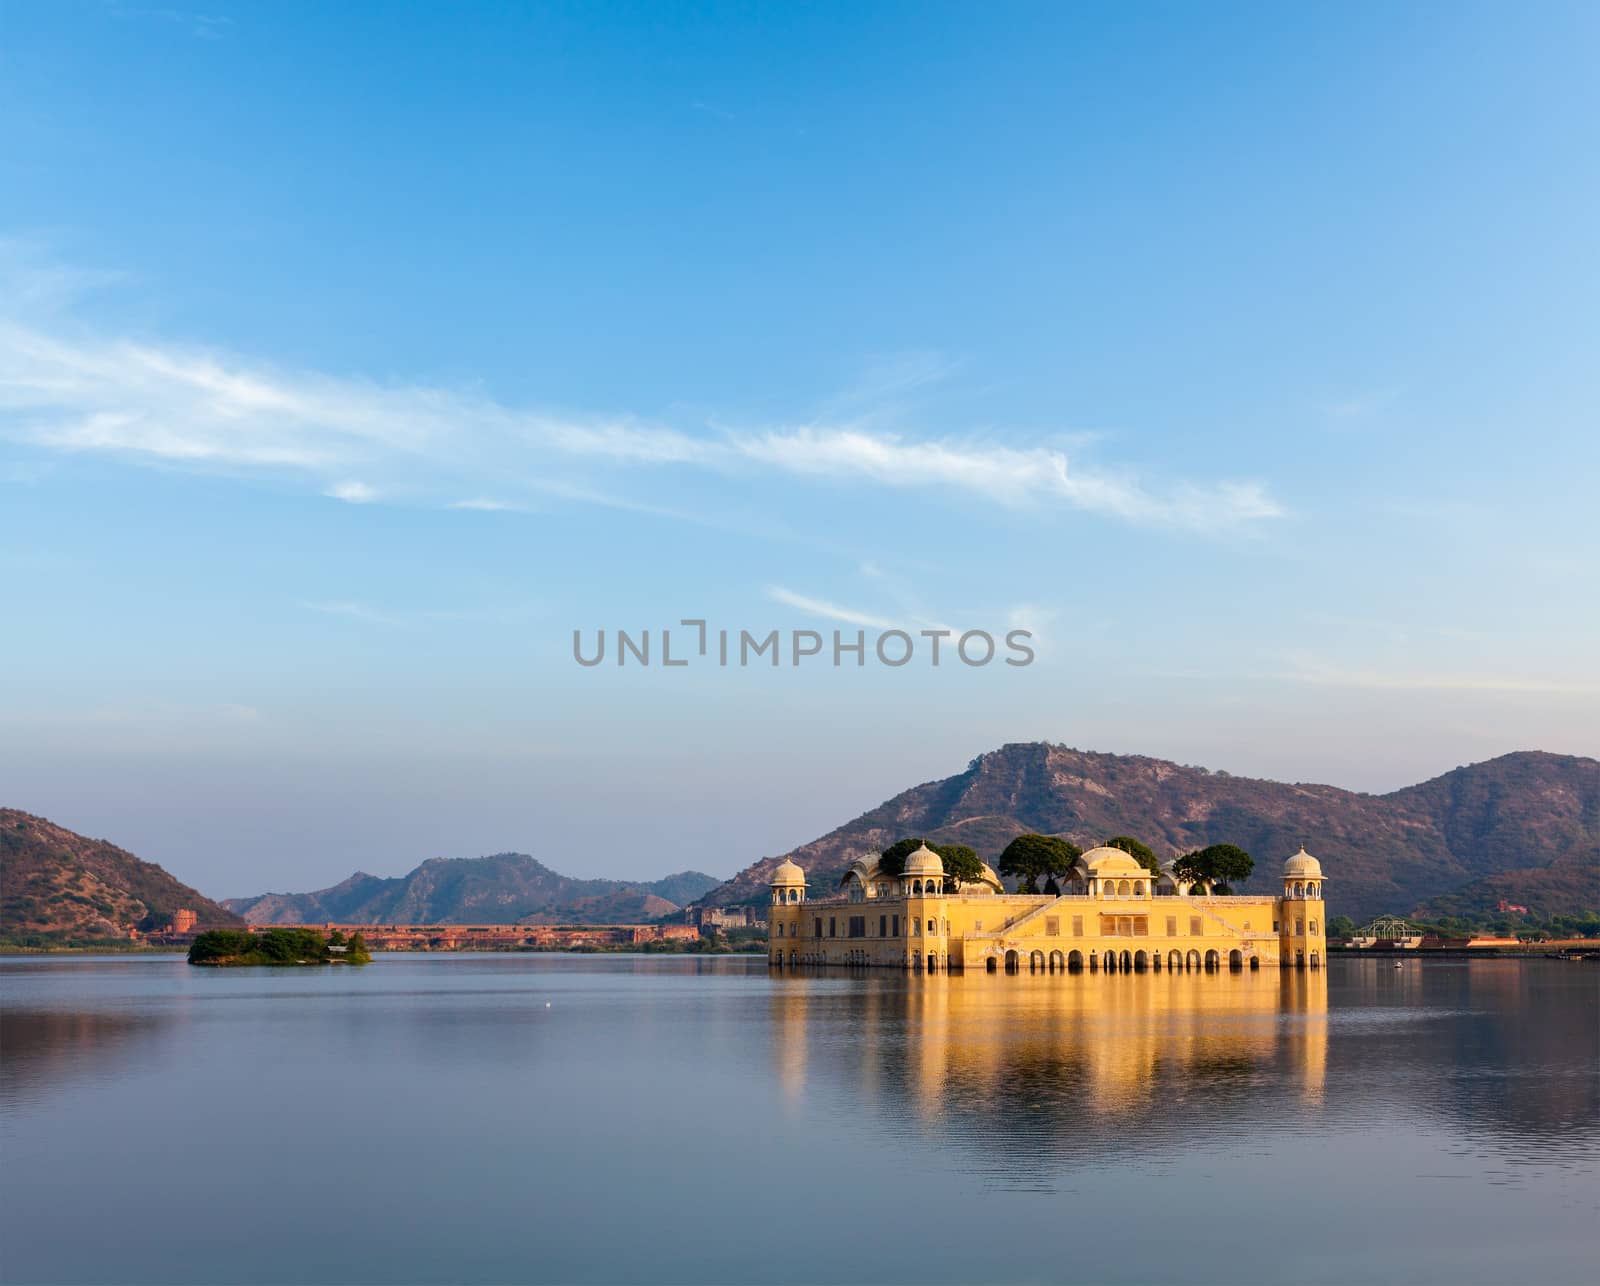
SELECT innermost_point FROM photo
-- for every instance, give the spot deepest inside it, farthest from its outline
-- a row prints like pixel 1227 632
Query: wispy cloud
pixel 1359 407
pixel 147 713
pixel 67 390
pixel 909 615
pixel 1004 474
pixel 829 611
pixel 205 26
pixel 354 611
pixel 494 613
pixel 1438 681
pixel 889 383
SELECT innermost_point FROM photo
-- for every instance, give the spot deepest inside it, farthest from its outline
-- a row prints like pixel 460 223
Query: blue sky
pixel 351 358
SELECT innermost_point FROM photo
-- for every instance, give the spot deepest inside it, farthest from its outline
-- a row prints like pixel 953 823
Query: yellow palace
pixel 1113 914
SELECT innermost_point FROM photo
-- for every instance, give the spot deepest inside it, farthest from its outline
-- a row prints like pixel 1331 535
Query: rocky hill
pixel 1524 826
pixel 1566 887
pixel 506 888
pixel 57 886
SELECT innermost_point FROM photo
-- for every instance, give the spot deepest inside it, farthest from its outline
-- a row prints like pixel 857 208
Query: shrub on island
pixel 273 947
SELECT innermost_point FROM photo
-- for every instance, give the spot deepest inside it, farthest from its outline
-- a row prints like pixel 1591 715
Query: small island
pixel 278 947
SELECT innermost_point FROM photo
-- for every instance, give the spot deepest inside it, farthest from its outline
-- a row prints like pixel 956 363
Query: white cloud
pixel 491 612
pixel 1033 617
pixel 483 504
pixel 832 611
pixel 353 611
pixel 1004 474
pixel 186 406
pixel 1333 676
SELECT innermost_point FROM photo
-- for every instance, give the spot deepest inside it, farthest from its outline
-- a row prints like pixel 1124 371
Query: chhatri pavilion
pixel 1111 914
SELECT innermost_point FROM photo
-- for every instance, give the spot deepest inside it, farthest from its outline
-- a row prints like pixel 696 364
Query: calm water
pixel 604 1118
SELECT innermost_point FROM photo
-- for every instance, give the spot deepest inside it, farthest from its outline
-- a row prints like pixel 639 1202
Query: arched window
pixel 1122 888
pixel 1313 928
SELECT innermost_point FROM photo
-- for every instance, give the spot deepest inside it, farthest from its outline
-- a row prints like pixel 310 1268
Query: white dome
pixel 787 873
pixel 1302 866
pixel 924 862
pixel 1105 861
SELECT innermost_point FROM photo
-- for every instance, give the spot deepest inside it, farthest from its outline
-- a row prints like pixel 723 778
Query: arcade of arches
pixel 1116 917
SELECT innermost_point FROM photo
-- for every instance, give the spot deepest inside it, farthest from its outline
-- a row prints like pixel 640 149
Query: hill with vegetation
pixel 1524 827
pixel 505 888
pixel 59 888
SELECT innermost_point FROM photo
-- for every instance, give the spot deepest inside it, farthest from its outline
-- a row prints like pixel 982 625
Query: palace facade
pixel 1112 914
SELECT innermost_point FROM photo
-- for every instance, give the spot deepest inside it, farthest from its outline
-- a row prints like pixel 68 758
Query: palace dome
pixel 1302 866
pixel 924 862
pixel 987 882
pixel 787 873
pixel 1103 862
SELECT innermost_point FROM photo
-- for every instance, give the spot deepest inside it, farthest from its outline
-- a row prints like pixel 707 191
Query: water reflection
pixel 511 1105
pixel 50 1049
pixel 1059 1069
pixel 1043 1065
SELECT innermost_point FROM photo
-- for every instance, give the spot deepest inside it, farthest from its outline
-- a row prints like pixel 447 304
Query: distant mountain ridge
pixel 1525 826
pixel 60 886
pixel 503 888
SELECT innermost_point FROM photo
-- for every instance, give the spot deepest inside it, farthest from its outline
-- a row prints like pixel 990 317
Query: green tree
pixel 892 861
pixel 1032 857
pixel 1217 866
pixel 220 944
pixel 1190 869
pixel 1341 926
pixel 290 946
pixel 960 862
pixel 356 952
pixel 1141 853
pixel 1229 864
pixel 962 865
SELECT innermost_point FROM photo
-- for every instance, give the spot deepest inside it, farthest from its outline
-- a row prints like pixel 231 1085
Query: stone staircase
pixel 1236 930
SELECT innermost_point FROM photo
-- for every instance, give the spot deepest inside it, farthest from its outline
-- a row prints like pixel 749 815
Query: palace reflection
pixel 1048 1062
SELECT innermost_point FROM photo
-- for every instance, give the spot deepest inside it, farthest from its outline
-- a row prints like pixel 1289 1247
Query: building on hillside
pixel 183 920
pixel 1114 915
pixel 724 918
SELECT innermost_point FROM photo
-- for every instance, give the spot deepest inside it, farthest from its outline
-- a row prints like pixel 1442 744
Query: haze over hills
pixel 61 886
pixel 505 888
pixel 1525 826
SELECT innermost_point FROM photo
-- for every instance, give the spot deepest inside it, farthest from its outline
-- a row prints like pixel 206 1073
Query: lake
pixel 547 1118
